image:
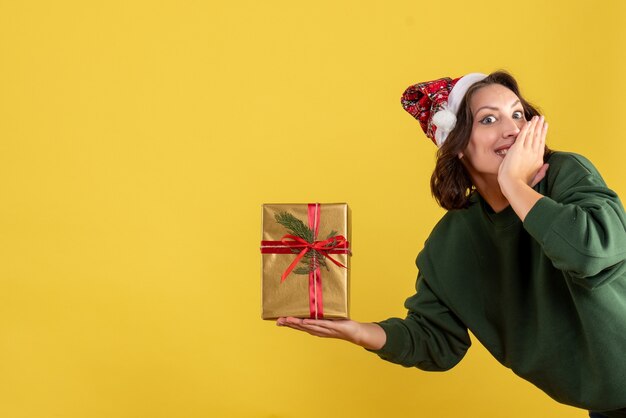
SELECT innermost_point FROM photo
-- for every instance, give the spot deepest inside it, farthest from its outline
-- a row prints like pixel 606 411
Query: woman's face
pixel 498 117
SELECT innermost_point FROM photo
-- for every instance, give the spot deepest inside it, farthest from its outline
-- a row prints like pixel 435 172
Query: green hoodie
pixel 547 297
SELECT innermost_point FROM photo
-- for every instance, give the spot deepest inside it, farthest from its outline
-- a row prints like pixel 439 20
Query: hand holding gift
pixel 367 335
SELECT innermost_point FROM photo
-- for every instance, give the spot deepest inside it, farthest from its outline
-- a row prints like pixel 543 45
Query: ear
pixel 460 155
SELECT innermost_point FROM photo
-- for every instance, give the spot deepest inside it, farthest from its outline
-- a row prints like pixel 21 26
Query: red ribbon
pixel 333 245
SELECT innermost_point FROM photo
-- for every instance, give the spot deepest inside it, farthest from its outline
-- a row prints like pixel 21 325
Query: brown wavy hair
pixel 450 183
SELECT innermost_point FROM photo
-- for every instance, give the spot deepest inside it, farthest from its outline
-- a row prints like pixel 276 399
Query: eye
pixel 518 115
pixel 488 120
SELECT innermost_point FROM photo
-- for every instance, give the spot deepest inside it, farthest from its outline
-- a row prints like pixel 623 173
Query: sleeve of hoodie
pixel 430 338
pixel 580 222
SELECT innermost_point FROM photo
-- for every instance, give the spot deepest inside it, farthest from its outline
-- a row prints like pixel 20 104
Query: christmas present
pixel 305 250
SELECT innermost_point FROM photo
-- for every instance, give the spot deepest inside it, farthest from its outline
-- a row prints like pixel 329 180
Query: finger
pixel 544 133
pixel 525 136
pixel 521 136
pixel 323 324
pixel 315 330
pixel 539 144
pixel 289 322
pixel 542 138
pixel 538 132
pixel 319 330
pixel 319 322
pixel 300 328
pixel 292 320
pixel 304 324
pixel 296 326
pixel 531 133
pixel 532 140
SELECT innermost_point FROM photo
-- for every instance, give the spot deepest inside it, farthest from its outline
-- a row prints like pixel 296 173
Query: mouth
pixel 502 151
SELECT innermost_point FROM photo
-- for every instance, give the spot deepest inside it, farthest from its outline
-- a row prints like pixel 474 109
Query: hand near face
pixel 524 160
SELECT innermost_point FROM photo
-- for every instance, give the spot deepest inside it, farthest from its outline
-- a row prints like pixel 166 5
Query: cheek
pixel 478 144
pixel 482 140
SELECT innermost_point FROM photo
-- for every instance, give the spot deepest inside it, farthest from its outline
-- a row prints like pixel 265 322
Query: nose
pixel 511 127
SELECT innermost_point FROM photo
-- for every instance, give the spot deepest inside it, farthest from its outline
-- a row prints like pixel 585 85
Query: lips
pixel 501 151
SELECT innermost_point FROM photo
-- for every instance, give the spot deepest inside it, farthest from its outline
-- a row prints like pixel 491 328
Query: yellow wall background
pixel 138 140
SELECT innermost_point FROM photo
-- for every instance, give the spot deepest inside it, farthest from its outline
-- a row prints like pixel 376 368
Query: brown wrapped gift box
pixel 291 296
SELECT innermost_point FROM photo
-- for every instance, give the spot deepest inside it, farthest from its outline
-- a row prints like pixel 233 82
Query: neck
pixel 489 189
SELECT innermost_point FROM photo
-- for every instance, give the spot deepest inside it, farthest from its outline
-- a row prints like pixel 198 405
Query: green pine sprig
pixel 299 229
pixel 295 226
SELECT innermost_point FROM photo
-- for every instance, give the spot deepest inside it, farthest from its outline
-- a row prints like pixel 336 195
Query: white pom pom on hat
pixel 444 120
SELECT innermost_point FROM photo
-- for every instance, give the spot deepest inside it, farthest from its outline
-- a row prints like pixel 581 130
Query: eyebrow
pixel 493 108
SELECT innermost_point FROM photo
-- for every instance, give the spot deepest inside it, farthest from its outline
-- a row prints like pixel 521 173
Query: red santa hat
pixel 435 104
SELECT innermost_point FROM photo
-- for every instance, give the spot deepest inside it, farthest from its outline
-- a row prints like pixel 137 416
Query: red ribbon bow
pixel 322 247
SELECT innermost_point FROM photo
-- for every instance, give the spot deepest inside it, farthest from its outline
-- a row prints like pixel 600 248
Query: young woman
pixel 530 256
